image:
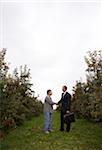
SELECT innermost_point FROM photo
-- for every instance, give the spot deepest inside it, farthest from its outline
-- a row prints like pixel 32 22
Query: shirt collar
pixel 64 92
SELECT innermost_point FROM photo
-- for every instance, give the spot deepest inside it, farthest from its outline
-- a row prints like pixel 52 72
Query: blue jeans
pixel 47 121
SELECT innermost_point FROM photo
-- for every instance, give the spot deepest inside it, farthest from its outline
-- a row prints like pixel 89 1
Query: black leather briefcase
pixel 69 117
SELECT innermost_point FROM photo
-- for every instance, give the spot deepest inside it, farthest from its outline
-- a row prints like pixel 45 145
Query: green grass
pixel 84 135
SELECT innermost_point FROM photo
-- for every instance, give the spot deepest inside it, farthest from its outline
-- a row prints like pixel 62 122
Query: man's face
pixel 50 93
pixel 63 89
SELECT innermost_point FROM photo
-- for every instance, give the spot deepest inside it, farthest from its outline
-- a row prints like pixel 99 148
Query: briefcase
pixel 69 117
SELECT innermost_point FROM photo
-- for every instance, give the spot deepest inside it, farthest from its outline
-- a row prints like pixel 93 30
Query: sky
pixel 52 38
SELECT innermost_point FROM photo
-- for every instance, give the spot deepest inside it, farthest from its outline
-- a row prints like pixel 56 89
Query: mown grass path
pixel 84 135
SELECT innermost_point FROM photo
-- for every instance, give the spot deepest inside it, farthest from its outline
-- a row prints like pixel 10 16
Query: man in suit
pixel 65 103
pixel 48 109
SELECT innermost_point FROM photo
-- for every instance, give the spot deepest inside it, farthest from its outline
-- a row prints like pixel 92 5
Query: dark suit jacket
pixel 65 102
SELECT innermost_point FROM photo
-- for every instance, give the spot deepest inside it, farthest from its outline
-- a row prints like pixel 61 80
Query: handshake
pixel 55 106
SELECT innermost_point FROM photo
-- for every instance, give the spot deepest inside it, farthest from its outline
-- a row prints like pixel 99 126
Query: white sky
pixel 52 38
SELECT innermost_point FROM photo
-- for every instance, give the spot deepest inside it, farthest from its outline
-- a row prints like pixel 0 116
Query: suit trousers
pixel 62 123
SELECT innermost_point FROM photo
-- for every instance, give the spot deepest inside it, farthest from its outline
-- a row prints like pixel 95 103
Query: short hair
pixel 65 87
pixel 48 91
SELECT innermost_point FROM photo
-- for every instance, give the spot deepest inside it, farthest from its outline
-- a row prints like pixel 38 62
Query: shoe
pixel 67 130
pixel 51 130
pixel 47 132
pixel 61 130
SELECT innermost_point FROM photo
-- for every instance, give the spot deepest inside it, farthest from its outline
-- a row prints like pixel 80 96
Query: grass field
pixel 84 135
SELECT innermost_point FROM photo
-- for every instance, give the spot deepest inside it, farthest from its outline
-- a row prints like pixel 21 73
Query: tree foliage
pixel 87 97
pixel 17 100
